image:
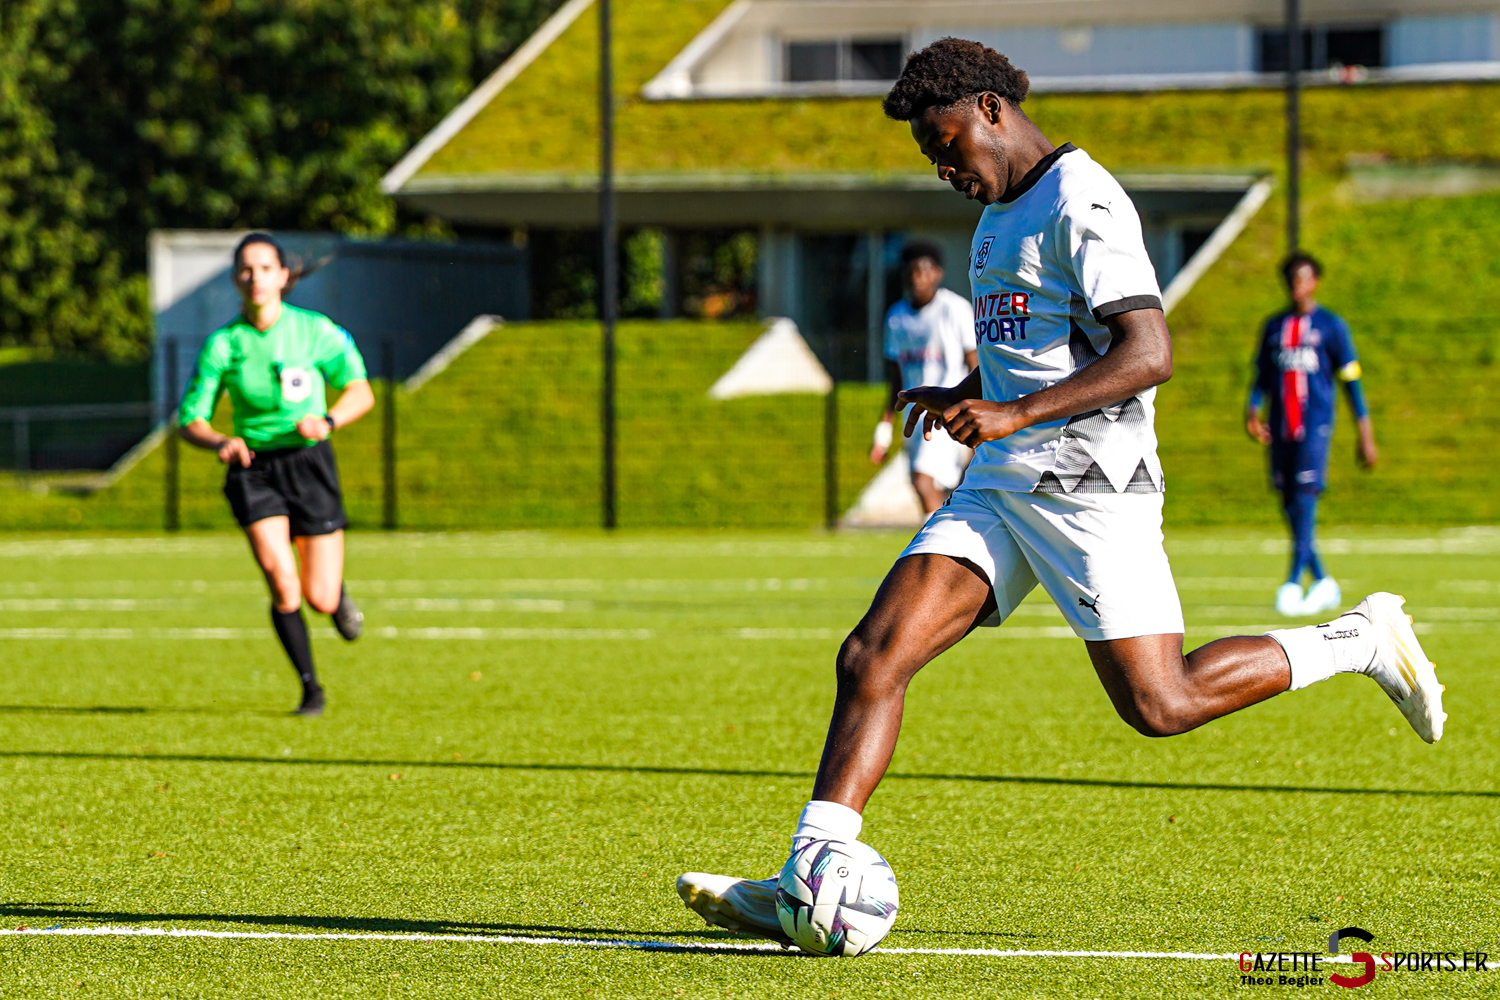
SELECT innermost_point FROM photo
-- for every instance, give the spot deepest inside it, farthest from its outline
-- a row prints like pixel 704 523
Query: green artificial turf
pixel 553 783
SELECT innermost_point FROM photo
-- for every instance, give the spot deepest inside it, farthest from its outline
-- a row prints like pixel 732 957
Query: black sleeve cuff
pixel 1101 313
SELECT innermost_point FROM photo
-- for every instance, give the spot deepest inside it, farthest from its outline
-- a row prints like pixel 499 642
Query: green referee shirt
pixel 275 378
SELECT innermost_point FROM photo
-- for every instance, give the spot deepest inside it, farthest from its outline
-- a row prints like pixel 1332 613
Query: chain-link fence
pixel 509 435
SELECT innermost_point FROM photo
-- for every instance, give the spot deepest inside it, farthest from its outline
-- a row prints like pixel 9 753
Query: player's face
pixel 1304 284
pixel 964 143
pixel 922 279
pixel 260 277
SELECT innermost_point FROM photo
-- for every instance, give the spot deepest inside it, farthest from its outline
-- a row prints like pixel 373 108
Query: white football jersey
pixel 929 344
pixel 1048 266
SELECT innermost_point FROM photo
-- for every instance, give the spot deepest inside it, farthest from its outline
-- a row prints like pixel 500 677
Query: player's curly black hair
pixel 949 70
pixel 1296 260
pixel 919 249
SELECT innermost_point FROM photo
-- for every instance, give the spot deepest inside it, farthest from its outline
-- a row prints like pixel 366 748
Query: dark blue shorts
pixel 1301 464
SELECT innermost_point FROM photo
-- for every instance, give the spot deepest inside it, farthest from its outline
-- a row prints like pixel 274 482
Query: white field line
pixel 642 945
pixel 1483 540
pixel 621 634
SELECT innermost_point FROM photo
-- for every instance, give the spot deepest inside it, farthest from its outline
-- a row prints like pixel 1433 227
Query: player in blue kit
pixel 1303 351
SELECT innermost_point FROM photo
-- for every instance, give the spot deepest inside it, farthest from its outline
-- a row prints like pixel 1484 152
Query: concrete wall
pixel 1463 38
pixel 419 295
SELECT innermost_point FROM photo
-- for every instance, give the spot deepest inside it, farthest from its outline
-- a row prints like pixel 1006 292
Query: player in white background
pixel 1065 489
pixel 929 340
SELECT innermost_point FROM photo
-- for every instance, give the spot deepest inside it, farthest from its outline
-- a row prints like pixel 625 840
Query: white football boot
pixel 1400 666
pixel 1289 600
pixel 747 906
pixel 1322 596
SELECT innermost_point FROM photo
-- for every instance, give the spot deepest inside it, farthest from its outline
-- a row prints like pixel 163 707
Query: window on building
pixel 860 59
pixel 1356 47
pixel 1323 47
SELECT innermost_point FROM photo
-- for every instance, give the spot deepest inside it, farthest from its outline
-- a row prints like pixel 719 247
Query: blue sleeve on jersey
pixel 1346 366
pixel 1265 369
pixel 1341 344
pixel 1356 394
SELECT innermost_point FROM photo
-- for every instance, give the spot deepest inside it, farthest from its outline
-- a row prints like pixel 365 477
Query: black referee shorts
pixel 301 484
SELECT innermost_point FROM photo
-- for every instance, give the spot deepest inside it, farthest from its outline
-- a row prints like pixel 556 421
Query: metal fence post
pixel 609 239
pixel 172 515
pixel 831 456
pixel 388 437
pixel 22 429
pixel 1294 58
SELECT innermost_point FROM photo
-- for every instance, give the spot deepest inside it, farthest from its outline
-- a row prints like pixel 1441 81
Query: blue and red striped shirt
pixel 1299 360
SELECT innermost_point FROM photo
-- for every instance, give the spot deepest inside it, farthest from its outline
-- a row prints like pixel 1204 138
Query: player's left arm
pixel 1099 240
pixel 343 368
pixel 1349 375
pixel 1139 357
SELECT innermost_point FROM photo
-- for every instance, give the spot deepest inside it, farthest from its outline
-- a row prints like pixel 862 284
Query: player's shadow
pixel 654 940
pixel 131 710
pixel 718 772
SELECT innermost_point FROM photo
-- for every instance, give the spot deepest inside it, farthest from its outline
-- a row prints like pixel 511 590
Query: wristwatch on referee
pixel 332 423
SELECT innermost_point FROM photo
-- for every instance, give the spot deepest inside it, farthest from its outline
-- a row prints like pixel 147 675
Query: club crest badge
pixel 983 255
pixel 296 384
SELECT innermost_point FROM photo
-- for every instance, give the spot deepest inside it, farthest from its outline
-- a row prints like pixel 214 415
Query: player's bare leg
pixel 270 541
pixel 1161 692
pixel 931 494
pixel 323 582
pixel 925 605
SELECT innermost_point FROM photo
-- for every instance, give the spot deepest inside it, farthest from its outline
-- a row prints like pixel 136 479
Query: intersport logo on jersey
pixel 1001 316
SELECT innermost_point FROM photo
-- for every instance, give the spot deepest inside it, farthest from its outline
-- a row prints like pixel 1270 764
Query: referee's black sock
pixel 291 629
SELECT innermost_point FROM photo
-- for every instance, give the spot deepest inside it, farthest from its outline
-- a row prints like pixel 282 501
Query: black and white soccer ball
pixel 836 898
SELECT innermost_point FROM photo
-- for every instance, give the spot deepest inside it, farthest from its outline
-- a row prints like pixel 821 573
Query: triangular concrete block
pixel 889 500
pixel 779 362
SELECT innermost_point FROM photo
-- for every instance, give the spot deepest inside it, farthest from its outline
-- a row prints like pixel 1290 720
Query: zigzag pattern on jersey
pixel 1103 450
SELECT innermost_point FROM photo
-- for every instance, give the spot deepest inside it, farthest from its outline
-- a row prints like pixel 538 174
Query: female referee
pixel 273 360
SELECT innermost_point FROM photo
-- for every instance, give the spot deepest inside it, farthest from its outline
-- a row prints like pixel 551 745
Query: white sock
pixel 823 820
pixel 1317 652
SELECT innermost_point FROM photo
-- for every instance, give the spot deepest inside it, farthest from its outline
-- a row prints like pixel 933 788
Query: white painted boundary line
pixel 643 945
pixel 622 634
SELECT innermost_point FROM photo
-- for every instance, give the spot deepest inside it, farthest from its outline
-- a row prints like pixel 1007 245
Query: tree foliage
pixel 62 284
pixel 122 116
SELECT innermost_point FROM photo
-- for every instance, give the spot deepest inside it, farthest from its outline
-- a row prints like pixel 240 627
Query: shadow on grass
pixel 713 772
pixel 132 710
pixel 663 940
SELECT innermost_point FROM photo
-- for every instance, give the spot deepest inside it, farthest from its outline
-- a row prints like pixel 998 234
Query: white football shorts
pixel 942 458
pixel 1098 555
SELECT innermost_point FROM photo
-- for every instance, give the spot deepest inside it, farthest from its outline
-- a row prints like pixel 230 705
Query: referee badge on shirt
pixel 296 384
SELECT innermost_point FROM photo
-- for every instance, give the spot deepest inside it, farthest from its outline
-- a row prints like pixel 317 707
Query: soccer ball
pixel 836 899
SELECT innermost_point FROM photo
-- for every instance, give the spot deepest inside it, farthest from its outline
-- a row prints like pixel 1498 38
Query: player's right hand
pixel 236 450
pixel 1257 429
pixel 927 403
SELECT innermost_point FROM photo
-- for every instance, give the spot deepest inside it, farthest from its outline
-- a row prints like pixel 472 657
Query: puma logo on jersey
pixel 1104 207
pixel 984 255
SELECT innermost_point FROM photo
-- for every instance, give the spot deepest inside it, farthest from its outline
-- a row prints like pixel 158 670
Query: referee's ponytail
pixel 296 265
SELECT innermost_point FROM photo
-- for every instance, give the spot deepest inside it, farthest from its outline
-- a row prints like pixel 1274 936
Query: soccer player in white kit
pixel 1065 489
pixel 929 340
